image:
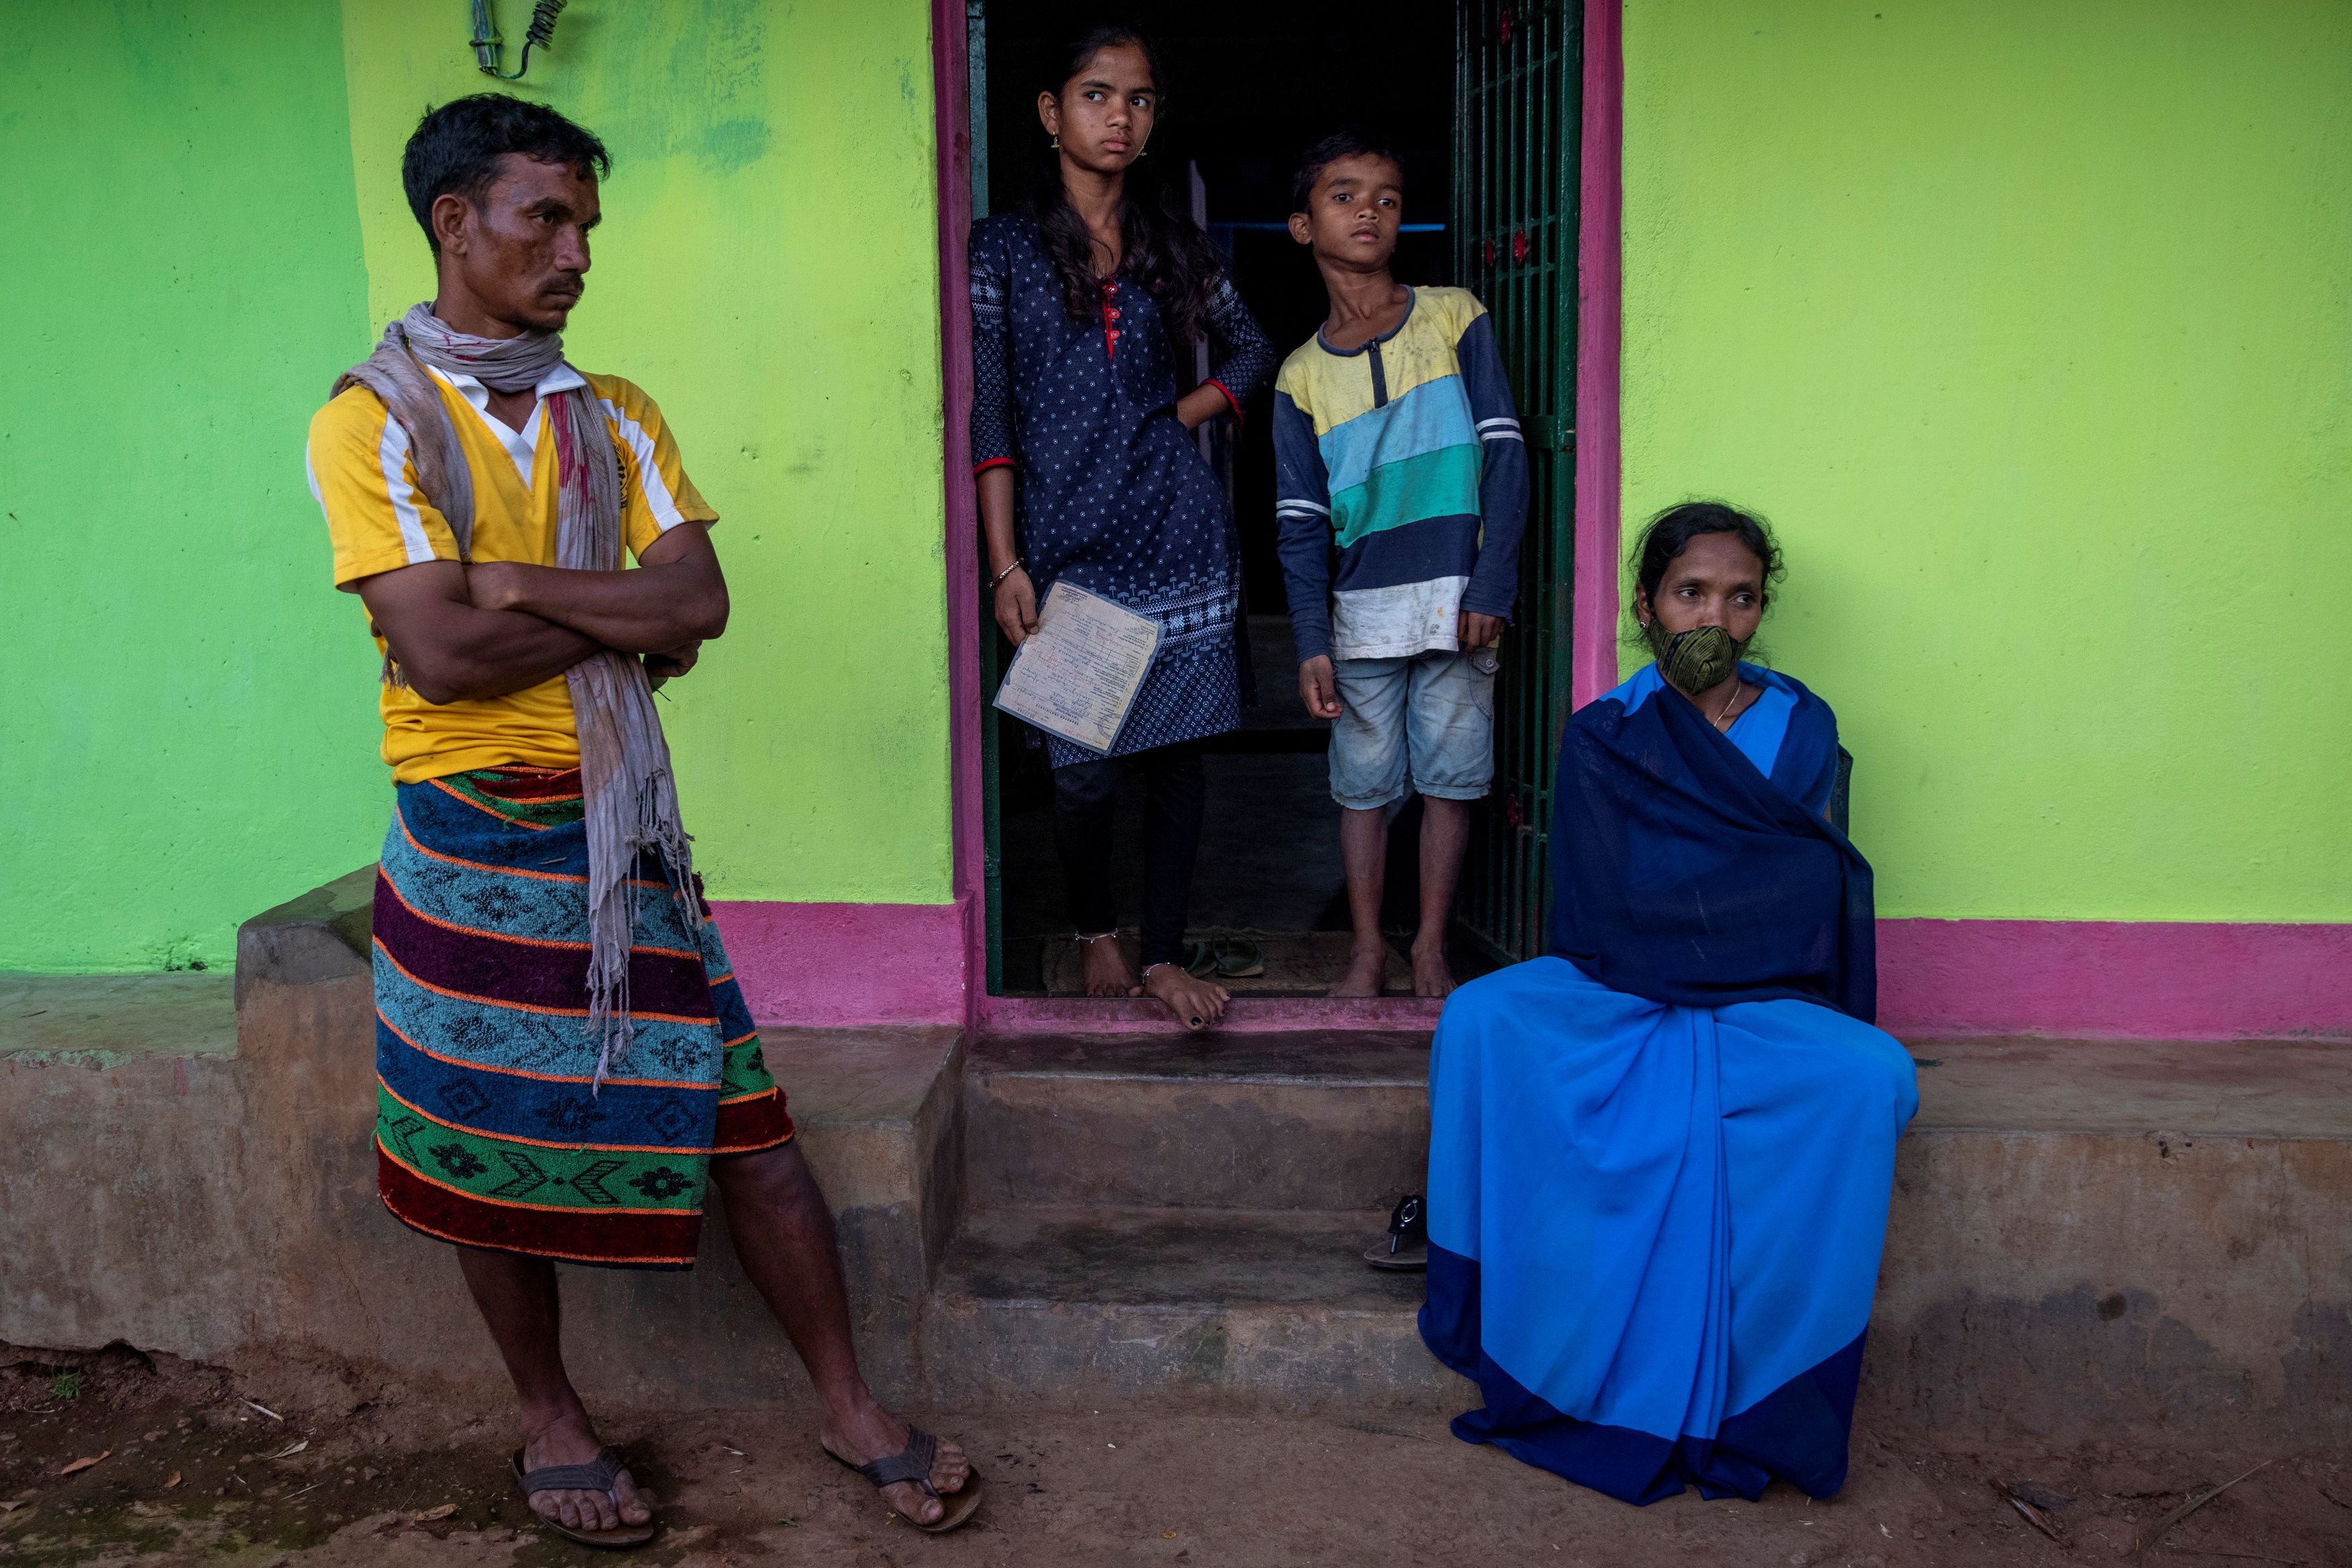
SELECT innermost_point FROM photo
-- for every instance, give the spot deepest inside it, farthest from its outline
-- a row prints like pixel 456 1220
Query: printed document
pixel 1079 672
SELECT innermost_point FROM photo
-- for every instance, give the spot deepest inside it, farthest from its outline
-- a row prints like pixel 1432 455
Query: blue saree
pixel 1660 1158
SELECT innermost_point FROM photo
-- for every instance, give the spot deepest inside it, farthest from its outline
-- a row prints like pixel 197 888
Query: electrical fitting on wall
pixel 488 46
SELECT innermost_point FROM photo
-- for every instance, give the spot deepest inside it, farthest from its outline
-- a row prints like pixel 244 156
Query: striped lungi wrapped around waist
pixel 489 1130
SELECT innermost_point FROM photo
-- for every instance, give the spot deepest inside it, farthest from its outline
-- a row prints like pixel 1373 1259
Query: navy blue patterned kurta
pixel 1110 489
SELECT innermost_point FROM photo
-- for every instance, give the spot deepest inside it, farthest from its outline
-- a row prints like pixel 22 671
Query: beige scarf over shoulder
pixel 624 773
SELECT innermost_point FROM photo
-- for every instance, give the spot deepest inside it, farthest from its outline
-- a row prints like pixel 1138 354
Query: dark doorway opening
pixel 1250 86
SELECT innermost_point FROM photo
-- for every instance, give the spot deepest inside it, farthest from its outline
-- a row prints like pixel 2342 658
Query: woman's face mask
pixel 1695 660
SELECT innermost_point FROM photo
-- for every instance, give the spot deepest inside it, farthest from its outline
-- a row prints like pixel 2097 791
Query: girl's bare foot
pixel 1109 974
pixel 1431 977
pixel 1197 1004
pixel 1366 973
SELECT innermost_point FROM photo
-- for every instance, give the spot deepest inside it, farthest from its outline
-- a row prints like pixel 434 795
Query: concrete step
pixel 1312 1120
pixel 2088 1237
pixel 1243 1310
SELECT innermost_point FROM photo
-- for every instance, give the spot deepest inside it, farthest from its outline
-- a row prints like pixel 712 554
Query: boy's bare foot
pixel 570 1440
pixel 1196 1003
pixel 1365 972
pixel 1431 977
pixel 872 1433
pixel 1109 974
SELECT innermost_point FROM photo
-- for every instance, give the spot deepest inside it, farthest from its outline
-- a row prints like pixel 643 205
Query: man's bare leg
pixel 783 1235
pixel 518 1301
pixel 1444 834
pixel 1364 847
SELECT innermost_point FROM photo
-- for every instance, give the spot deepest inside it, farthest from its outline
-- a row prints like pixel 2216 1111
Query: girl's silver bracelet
pixel 1008 571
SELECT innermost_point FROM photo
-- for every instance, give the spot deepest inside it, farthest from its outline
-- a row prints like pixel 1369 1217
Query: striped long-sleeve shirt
pixel 1400 483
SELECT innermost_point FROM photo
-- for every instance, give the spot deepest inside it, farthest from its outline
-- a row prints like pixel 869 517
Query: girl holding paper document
pixel 1084 304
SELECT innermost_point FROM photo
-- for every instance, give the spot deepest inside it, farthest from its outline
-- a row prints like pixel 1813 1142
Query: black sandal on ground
pixel 913 1463
pixel 1407 1246
pixel 597 1475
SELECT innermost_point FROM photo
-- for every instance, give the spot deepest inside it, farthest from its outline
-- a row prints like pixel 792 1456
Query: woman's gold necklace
pixel 1729 702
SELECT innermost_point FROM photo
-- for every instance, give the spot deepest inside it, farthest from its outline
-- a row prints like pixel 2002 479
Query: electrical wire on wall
pixel 489 46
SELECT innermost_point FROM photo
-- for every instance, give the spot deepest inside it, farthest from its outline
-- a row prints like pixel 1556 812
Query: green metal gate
pixel 1518 98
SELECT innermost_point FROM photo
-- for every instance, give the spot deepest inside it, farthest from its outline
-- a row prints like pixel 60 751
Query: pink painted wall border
pixel 844 965
pixel 950 87
pixel 2095 979
pixel 1599 341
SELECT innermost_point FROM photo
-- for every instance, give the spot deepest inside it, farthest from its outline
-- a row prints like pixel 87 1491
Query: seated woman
pixel 1660 1159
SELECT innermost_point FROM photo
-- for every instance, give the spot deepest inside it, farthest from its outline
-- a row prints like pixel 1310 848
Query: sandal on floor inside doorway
pixel 1239 958
pixel 913 1463
pixel 1226 958
pixel 597 1475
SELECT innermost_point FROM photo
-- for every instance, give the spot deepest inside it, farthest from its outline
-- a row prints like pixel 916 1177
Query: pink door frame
pixel 1594 654
pixel 2167 980
pixel 1600 332
pixel 950 91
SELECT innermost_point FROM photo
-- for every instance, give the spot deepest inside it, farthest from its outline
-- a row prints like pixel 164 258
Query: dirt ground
pixel 195 1467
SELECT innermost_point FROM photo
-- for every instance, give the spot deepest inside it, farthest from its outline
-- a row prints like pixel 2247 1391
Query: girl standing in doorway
pixel 1084 304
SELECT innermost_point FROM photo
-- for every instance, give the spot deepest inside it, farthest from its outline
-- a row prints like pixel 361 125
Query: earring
pixel 1056 144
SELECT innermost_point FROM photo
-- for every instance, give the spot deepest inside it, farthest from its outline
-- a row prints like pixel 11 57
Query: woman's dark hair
pixel 1164 249
pixel 455 150
pixel 1670 533
pixel 1349 141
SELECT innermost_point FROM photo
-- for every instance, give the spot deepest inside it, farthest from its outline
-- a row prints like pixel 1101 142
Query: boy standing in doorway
pixel 1402 489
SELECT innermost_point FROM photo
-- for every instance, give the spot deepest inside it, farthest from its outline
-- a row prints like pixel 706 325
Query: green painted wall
pixel 2031 326
pixel 181 703
pixel 189 735
pixel 2028 324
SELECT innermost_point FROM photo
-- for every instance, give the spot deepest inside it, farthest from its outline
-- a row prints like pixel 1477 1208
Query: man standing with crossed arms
pixel 565 1062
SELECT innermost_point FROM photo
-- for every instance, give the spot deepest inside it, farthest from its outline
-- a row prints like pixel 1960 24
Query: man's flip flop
pixel 913 1463
pixel 597 1475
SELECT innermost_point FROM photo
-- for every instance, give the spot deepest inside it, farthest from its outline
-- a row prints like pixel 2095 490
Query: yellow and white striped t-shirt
pixel 365 480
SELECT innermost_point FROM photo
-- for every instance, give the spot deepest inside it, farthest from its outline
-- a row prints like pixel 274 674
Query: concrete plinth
pixel 2121 1242
pixel 2124 1240
pixel 202 1181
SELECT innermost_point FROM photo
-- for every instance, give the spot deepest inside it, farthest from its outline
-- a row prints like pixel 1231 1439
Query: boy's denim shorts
pixel 1433 712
